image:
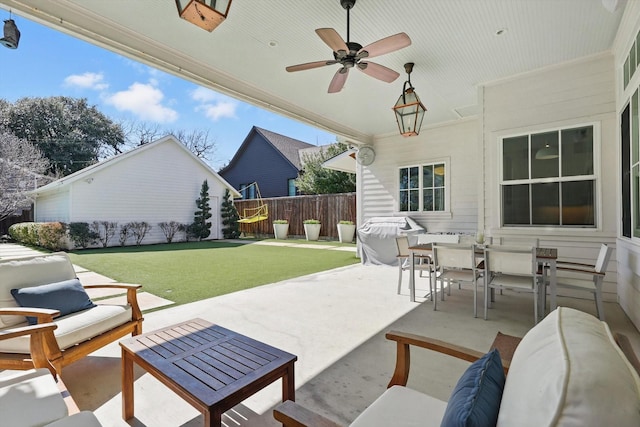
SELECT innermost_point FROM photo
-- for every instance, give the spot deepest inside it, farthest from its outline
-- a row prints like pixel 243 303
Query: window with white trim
pixel 548 179
pixel 422 188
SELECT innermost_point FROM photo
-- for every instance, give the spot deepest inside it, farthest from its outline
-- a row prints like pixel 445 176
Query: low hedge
pixel 48 235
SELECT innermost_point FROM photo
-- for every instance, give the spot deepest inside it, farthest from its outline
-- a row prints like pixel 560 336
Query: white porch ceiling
pixel 454 46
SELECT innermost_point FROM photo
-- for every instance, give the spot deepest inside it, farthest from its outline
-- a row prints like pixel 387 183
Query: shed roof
pixel 81 174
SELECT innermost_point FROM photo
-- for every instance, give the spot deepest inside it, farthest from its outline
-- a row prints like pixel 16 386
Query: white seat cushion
pixel 402 406
pixel 81 419
pixel 567 371
pixel 30 398
pixel 77 327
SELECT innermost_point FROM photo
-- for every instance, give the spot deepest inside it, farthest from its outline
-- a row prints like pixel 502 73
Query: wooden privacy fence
pixel 329 209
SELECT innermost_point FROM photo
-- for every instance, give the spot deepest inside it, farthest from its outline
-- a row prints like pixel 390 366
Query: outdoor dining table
pixel 545 256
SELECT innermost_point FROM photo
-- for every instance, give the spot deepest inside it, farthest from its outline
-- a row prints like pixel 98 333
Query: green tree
pixel 230 217
pixel 201 228
pixel 314 179
pixel 68 131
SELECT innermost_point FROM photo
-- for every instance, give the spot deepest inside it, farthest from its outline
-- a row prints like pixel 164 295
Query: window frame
pixel 420 189
pixel 596 177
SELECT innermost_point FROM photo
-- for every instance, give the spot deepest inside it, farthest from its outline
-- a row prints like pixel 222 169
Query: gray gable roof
pixel 289 147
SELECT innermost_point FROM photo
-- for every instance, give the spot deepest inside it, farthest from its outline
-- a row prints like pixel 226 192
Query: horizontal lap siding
pixel 457 144
pixel 571 94
pixel 156 185
pixel 53 207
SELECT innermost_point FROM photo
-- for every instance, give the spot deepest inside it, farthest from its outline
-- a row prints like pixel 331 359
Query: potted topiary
pixel 312 229
pixel 280 228
pixel 346 231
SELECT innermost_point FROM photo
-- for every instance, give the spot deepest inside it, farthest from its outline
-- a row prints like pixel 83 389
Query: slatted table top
pixel 208 362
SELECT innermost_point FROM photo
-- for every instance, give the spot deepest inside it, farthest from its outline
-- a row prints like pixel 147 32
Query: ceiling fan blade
pixel 378 71
pixel 309 65
pixel 338 80
pixel 386 45
pixel 332 39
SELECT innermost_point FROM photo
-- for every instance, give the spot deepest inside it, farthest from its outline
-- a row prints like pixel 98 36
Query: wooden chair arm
pixel 559 262
pixel 290 414
pixel 403 360
pixel 113 285
pixel 132 295
pixel 41 337
pixel 44 315
pixel 579 270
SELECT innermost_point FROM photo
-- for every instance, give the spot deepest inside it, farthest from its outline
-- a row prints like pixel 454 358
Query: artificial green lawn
pixel 186 272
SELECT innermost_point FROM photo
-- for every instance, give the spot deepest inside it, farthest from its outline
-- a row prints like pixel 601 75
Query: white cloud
pixel 143 100
pixel 214 105
pixel 219 110
pixel 87 80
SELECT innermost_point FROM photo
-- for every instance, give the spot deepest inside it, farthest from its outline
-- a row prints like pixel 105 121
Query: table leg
pixel 127 385
pixel 212 418
pixel 412 277
pixel 289 384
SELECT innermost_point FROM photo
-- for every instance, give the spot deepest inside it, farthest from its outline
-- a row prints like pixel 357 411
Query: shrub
pixel 345 222
pixel 81 234
pixel 25 232
pixel 139 230
pixel 311 221
pixel 170 229
pixel 50 235
pixel 230 217
pixel 280 221
pixel 105 231
pixel 125 233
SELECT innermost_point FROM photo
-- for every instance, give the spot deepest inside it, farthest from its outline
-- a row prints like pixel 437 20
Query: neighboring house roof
pixel 286 146
pixel 83 173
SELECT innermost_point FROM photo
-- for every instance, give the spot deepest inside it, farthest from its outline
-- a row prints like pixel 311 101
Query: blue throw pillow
pixel 67 297
pixel 475 400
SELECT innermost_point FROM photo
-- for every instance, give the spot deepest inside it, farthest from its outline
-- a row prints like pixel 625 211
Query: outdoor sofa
pixel 49 292
pixel 567 371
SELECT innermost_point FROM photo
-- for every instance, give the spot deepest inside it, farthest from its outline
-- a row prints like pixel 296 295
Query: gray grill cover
pixel 377 238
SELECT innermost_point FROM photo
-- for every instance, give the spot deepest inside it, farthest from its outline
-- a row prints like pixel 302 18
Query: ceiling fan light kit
pixel 206 14
pixel 408 109
pixel 352 55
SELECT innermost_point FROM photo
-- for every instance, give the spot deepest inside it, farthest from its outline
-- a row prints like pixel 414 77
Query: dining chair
pixel 586 277
pixel 512 267
pixel 456 263
pixel 423 262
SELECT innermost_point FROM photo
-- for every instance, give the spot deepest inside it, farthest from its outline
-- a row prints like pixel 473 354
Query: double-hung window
pixel 548 179
pixel 422 188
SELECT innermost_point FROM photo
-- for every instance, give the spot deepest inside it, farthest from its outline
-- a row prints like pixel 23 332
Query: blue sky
pixel 51 63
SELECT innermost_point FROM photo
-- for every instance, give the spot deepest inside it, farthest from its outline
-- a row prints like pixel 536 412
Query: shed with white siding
pixel 156 182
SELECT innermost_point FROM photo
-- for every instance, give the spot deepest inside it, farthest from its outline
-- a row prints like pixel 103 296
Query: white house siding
pixel 53 207
pixel 153 185
pixel 628 250
pixel 572 94
pixel 456 144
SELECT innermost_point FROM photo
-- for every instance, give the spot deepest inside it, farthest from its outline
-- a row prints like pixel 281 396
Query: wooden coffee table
pixel 210 367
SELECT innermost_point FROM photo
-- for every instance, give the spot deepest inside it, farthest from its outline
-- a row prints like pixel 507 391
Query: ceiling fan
pixel 350 54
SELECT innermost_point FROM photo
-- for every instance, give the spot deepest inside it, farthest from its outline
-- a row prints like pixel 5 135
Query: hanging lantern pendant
pixel 409 110
pixel 11 34
pixel 206 14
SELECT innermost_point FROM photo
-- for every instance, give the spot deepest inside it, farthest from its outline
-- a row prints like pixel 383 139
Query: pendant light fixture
pixel 11 34
pixel 206 14
pixel 408 109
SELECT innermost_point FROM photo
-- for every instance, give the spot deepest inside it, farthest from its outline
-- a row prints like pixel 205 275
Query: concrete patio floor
pixel 335 323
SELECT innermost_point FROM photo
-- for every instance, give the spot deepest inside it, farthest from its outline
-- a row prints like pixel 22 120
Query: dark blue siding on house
pixel 258 160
